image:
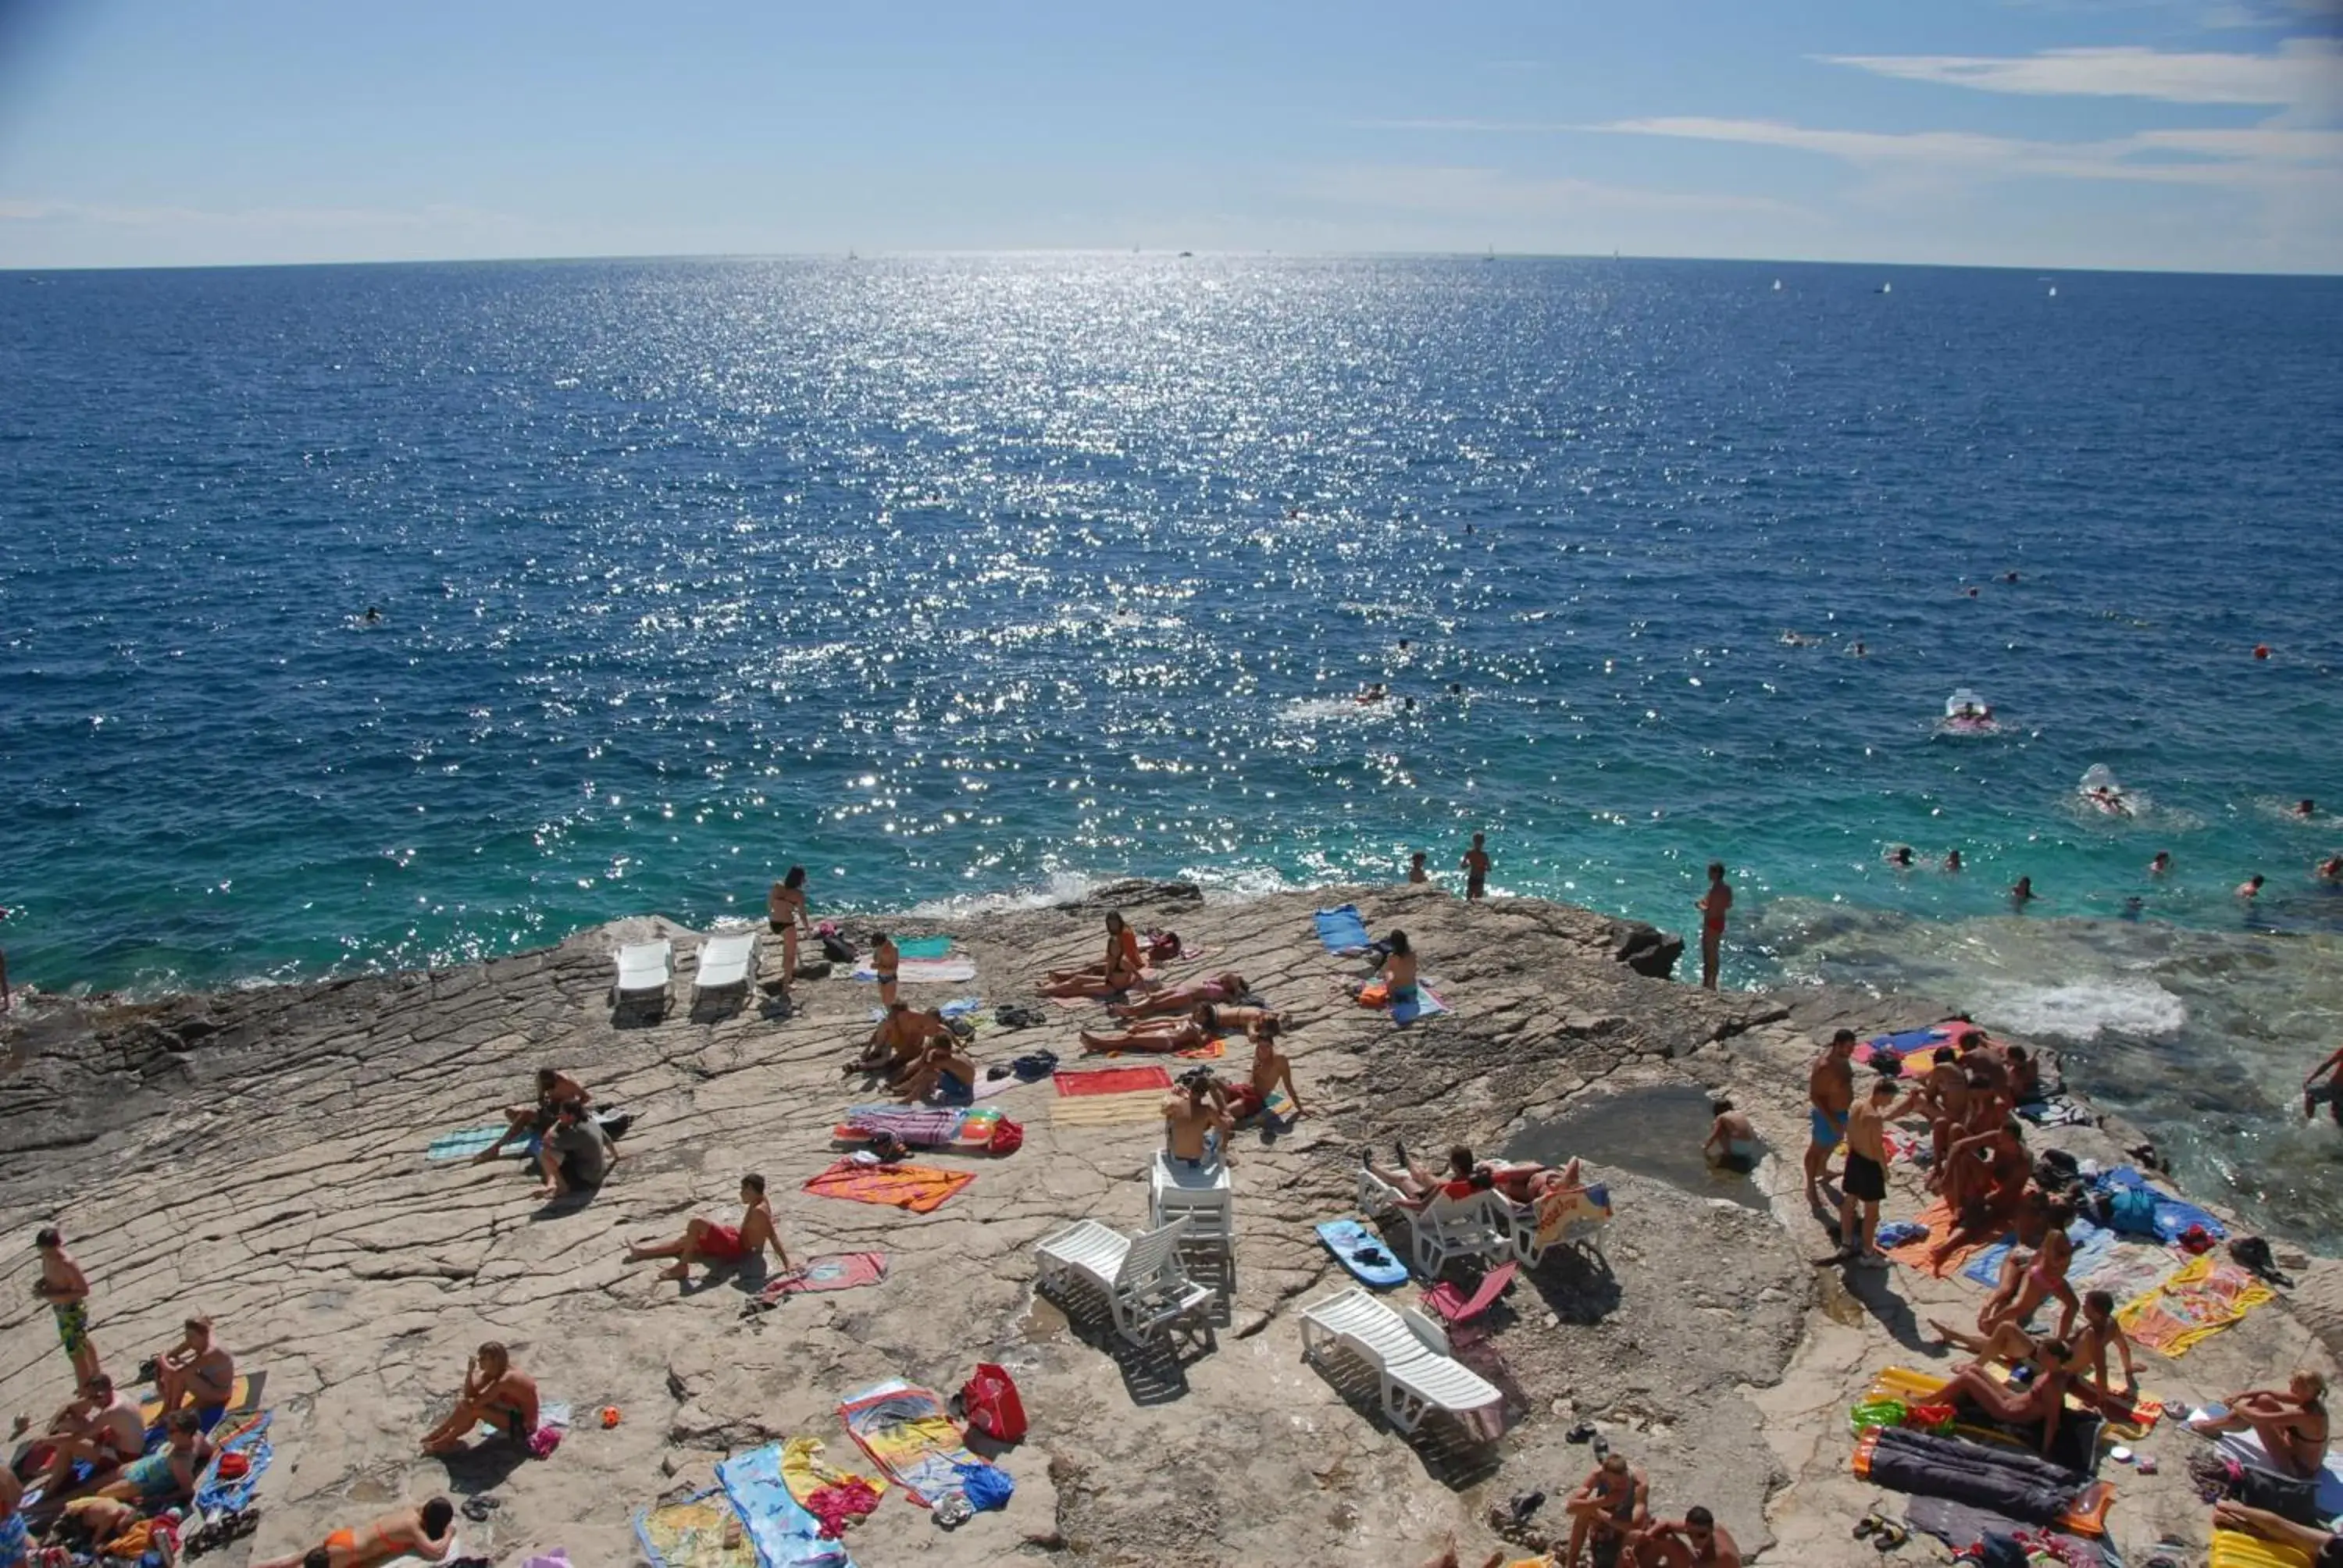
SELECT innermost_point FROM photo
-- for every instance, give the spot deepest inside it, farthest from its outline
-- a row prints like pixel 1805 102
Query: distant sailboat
pixel 1777 286
pixel 2054 291
pixel 1886 288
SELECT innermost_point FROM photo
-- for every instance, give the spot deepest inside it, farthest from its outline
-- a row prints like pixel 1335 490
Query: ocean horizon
pixel 966 577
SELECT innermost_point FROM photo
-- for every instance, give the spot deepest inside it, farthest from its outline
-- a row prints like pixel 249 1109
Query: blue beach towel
pixel 464 1144
pixel 924 948
pixel 2092 1245
pixel 1342 930
pixel 213 1495
pixel 785 1535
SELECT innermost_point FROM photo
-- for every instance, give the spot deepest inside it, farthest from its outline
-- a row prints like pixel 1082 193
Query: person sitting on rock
pixel 1122 967
pixel 101 1427
pixel 2099 1334
pixel 1613 1504
pixel 2043 1398
pixel 706 1242
pixel 494 1391
pixel 1732 1140
pixel 1193 1119
pixel 1225 986
pixel 1989 1199
pixel 428 1532
pixel 2292 1423
pixel 1397 979
pixel 576 1155
pixel 900 1038
pixel 1695 1541
pixel 945 1071
pixel 169 1474
pixel 1271 1069
pixel 554 1090
pixel 196 1372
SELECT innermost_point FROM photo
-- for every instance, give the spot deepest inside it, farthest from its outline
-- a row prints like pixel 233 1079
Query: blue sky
pixel 2181 134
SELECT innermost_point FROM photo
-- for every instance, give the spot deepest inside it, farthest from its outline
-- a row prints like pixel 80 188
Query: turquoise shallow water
pixel 981 577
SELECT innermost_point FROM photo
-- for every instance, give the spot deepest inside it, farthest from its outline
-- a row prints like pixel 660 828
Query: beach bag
pixel 985 1485
pixel 1008 1138
pixel 990 1398
pixel 1162 945
pixel 835 949
pixel 2132 1211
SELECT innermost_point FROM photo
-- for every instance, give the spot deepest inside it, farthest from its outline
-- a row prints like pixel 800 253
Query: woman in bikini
pixel 1119 970
pixel 1397 977
pixel 785 914
pixel 2044 1399
pixel 2292 1425
pixel 1220 988
pixel 2046 1276
pixel 492 1393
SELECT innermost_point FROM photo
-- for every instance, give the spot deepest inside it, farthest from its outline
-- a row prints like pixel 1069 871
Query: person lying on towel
pixel 1224 986
pixel 706 1242
pixel 2043 1399
pixel 428 1532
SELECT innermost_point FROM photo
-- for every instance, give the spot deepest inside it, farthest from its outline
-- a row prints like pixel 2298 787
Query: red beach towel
pixel 1113 1080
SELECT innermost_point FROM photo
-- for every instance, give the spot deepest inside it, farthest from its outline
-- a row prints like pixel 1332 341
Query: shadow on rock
pixel 1576 1284
pixel 1451 1454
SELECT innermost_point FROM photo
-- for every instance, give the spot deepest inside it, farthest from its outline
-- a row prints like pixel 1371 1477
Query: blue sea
pixel 962 579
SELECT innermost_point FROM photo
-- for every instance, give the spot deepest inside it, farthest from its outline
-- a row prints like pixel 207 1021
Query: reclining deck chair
pixel 1411 1357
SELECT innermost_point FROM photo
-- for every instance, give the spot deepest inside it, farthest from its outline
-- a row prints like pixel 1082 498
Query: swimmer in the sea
pixel 1859 651
pixel 2009 577
pixel 1972 593
pixel 2306 808
pixel 372 615
pixel 1415 871
pixel 2023 893
pixel 1952 860
pixel 2330 869
pixel 2251 888
pixel 1900 856
pixel 2161 864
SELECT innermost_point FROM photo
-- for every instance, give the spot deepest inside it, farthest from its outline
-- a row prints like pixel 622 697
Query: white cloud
pixel 1469 192
pixel 2306 73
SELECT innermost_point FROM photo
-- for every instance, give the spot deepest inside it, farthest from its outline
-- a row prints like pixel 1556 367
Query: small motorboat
pixel 1966 713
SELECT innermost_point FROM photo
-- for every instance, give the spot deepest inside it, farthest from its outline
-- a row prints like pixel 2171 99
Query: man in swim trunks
pixel 1984 1202
pixel 946 1072
pixel 103 1427
pixel 196 1372
pixel 2292 1425
pixel 66 1287
pixel 575 1156
pixel 899 1043
pixel 1865 1183
pixel 1713 906
pixel 1270 1070
pixel 705 1240
pixel 1732 1140
pixel 554 1088
pixel 494 1392
pixel 428 1532
pixel 1614 1502
pixel 1475 866
pixel 1695 1541
pixel 169 1474
pixel 1192 1116
pixel 1830 1092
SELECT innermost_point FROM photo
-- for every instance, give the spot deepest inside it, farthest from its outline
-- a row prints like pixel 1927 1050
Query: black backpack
pixel 835 949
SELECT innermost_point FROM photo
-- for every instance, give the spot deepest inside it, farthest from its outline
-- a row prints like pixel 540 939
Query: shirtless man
pixel 1415 871
pixel 102 1426
pixel 66 1287
pixel 1398 975
pixel 2292 1425
pixel 554 1088
pixel 1476 866
pixel 1732 1140
pixel 428 1532
pixel 1119 970
pixel 169 1474
pixel 1695 1541
pixel 1830 1094
pixel 944 1071
pixel 2043 1398
pixel 886 961
pixel 1713 906
pixel 1865 1183
pixel 195 1371
pixel 1224 986
pixel 1613 1502
pixel 2099 1334
pixel 1190 1115
pixel 495 1392
pixel 706 1242
pixel 1271 1069
pixel 1947 1089
pixel 1163 1035
pixel 899 1043
pixel 1992 1200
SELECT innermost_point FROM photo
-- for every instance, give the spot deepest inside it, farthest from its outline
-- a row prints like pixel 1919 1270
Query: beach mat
pixel 1340 929
pixel 923 947
pixel 830 1272
pixel 908 1434
pixel 1108 1110
pixel 2091 1245
pixel 2127 1270
pixel 1939 1217
pixel 2236 1548
pixel 1426 1003
pixel 1112 1081
pixel 470 1141
pixel 924 971
pixel 691 1534
pixel 2200 1300
pixel 915 1188
pixel 785 1534
pixel 243 1399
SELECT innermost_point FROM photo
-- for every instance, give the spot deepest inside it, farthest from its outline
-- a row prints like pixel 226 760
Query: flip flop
pixel 1868 1523
pixel 1889 1536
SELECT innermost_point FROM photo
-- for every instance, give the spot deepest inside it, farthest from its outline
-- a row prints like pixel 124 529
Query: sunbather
pixel 1119 970
pixel 1614 1502
pixel 2046 1275
pixel 2043 1398
pixel 1397 978
pixel 1527 1181
pixel 1225 986
pixel 899 1043
pixel 1270 1070
pixel 1416 1186
pixel 494 1391
pixel 1189 1033
pixel 101 1426
pixel 1695 1541
pixel 1993 1196
pixel 554 1088
pixel 2324 1549
pixel 1193 1118
pixel 944 1071
pixel 2099 1334
pixel 576 1155
pixel 428 1532
pixel 2007 1343
pixel 2292 1424
pixel 196 1372
pixel 785 917
pixel 169 1474
pixel 706 1242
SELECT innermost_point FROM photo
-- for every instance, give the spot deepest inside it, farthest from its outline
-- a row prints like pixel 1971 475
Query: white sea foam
pixel 2082 1009
pixel 1062 888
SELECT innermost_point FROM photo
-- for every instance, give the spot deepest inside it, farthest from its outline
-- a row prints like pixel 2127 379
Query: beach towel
pixel 784 1533
pixel 2245 1448
pixel 691 1534
pixel 924 971
pixel 213 1495
pixel 927 1126
pixel 913 1187
pixel 2204 1298
pixel 1113 1080
pixel 830 1272
pixel 1342 930
pixel 923 947
pixel 470 1141
pixel 2125 1270
pixel 908 1434
pixel 2173 1215
pixel 2092 1244
pixel 1108 1110
pixel 243 1399
pixel 1938 1217
pixel 1427 1002
pixel 1902 1043
pixel 987 1086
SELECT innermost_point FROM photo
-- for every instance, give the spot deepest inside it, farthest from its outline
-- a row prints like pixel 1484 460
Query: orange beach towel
pixel 917 1188
pixel 1939 1217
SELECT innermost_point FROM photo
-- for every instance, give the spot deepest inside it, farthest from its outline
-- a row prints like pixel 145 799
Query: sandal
pixel 1889 1536
pixel 1868 1523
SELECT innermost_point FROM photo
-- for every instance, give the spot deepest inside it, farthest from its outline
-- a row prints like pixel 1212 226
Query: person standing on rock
pixel 785 914
pixel 66 1287
pixel 1713 905
pixel 1830 1090
pixel 1865 1183
pixel 1475 865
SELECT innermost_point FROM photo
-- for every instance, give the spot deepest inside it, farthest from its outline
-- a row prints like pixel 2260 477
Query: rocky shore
pixel 259 1155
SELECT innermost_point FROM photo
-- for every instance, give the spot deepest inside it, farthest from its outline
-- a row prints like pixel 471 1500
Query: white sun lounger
pixel 726 962
pixel 644 970
pixel 1146 1289
pixel 1574 1219
pixel 1411 1356
pixel 1479 1226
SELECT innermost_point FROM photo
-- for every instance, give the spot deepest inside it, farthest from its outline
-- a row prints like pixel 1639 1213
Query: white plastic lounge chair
pixel 1204 1196
pixel 1411 1356
pixel 644 970
pixel 1145 1288
pixel 1480 1226
pixel 1574 1219
pixel 726 962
